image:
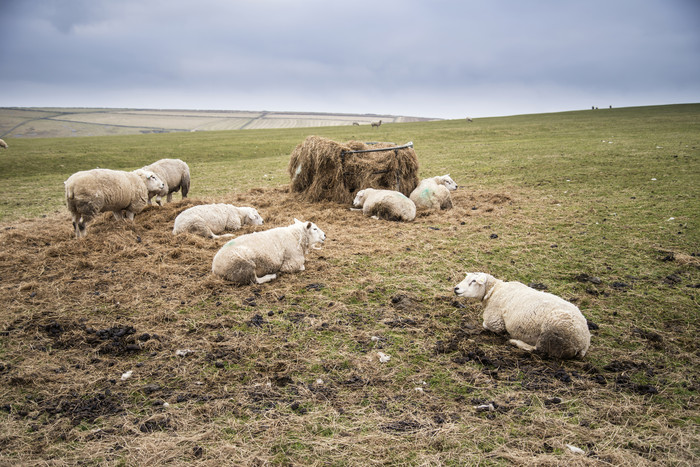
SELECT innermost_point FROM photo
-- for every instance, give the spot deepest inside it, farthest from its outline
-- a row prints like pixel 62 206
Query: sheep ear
pixel 481 280
pixel 308 225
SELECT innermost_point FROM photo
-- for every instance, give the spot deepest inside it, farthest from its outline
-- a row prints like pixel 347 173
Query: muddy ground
pixel 123 347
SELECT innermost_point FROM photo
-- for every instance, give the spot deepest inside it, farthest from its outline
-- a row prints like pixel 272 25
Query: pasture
pixel 123 349
pixel 52 122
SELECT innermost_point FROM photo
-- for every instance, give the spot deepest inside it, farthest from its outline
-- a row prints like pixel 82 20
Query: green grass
pixel 590 192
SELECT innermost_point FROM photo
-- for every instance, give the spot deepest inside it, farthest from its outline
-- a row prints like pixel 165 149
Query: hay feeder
pixel 322 169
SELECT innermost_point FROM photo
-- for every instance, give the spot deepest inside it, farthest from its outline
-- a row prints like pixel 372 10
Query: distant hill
pixel 35 122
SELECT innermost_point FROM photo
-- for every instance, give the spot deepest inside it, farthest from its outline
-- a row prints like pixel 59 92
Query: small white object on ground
pixel 574 449
pixel 383 358
pixel 485 408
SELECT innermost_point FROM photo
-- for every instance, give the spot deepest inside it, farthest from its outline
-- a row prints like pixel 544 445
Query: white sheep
pixel 175 174
pixel 257 257
pixel 377 124
pixel 385 204
pixel 434 193
pixel 208 220
pixel 90 192
pixel 535 320
pixel 3 144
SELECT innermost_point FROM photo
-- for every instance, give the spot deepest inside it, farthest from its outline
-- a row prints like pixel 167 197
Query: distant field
pixel 63 122
pixel 122 348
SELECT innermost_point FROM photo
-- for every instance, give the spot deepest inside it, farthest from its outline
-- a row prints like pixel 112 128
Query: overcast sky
pixel 427 58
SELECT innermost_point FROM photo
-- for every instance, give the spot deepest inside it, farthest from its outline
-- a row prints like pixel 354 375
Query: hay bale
pixel 322 169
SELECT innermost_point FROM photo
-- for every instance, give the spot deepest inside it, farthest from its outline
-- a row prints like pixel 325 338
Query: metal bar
pixel 407 145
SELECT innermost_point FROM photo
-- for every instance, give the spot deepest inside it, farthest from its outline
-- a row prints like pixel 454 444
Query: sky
pixel 424 58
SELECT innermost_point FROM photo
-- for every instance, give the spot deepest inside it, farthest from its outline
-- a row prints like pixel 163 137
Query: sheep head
pixel 252 217
pixel 473 285
pixel 314 235
pixel 153 182
pixel 448 182
pixel 360 197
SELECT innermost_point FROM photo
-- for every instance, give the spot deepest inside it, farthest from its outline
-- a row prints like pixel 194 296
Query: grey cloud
pixel 320 53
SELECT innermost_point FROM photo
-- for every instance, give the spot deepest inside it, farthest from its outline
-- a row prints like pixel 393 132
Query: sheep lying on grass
pixel 535 320
pixel 208 220
pixel 90 192
pixel 3 144
pixel 434 193
pixel 175 174
pixel 385 204
pixel 257 257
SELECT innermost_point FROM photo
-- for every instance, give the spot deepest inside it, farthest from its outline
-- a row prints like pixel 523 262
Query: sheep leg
pixel 130 215
pixel 266 278
pixel 118 215
pixel 293 266
pixel 202 229
pixel 170 197
pixel 522 345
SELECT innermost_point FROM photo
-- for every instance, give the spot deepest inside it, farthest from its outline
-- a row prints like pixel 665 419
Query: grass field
pixel 19 122
pixel 600 207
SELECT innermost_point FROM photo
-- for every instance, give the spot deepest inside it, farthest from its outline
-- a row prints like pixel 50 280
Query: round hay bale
pixel 322 169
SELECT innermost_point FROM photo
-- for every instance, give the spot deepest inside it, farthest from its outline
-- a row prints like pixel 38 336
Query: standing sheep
pixel 535 320
pixel 377 124
pixel 175 174
pixel 90 192
pixel 257 257
pixel 3 144
pixel 434 193
pixel 385 204
pixel 208 220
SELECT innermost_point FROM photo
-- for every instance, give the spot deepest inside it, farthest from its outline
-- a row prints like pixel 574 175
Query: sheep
pixel 434 193
pixel 3 144
pixel 377 124
pixel 90 192
pixel 356 123
pixel 208 220
pixel 535 320
pixel 257 257
pixel 175 174
pixel 385 204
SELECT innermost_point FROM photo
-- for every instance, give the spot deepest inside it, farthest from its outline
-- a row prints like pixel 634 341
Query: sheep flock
pixel 535 321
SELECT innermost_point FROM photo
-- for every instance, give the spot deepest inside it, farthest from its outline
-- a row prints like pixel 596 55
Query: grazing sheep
pixel 377 124
pixel 535 320
pixel 208 220
pixel 356 123
pixel 434 193
pixel 90 192
pixel 257 257
pixel 175 174
pixel 385 204
pixel 469 119
pixel 3 144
